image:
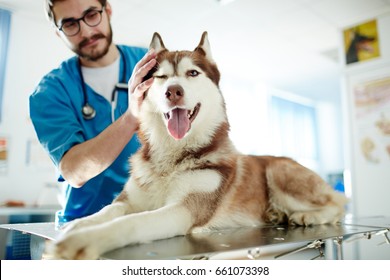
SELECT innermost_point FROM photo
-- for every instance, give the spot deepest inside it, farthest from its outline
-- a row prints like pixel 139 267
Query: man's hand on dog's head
pixel 138 87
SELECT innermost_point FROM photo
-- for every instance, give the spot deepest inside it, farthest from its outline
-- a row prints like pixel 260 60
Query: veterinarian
pixel 83 117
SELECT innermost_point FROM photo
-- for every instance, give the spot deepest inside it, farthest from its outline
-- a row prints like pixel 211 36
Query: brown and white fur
pixel 189 177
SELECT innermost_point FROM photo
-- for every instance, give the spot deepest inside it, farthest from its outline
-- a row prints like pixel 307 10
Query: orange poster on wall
pixel 372 107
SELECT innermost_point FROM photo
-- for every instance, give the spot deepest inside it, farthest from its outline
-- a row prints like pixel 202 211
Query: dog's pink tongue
pixel 179 123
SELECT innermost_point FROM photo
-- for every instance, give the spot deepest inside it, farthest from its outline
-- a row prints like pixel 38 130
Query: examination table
pixel 265 242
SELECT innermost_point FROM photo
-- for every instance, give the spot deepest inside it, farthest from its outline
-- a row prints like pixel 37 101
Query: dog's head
pixel 184 100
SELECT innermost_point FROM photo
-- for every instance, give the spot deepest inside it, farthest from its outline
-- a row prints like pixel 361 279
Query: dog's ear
pixel 157 43
pixel 204 47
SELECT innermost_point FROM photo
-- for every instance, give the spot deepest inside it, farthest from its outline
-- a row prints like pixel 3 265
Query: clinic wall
pixel 33 51
pixel 370 181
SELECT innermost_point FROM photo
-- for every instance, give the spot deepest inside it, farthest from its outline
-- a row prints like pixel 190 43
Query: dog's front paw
pixel 77 224
pixel 73 246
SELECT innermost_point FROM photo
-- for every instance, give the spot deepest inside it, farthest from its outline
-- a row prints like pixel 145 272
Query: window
pixel 5 20
pixel 293 130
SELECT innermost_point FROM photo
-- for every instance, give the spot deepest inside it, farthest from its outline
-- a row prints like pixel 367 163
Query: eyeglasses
pixel 70 27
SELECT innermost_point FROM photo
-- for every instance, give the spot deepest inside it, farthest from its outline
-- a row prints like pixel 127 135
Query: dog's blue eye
pixel 192 73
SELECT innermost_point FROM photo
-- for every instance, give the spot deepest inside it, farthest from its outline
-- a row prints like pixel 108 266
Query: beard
pixel 94 54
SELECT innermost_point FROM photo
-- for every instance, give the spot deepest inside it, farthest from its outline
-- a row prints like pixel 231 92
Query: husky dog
pixel 188 176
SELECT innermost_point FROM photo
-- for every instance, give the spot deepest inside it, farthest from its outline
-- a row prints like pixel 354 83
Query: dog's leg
pixel 92 241
pixel 302 195
pixel 119 207
pixel 329 214
pixel 108 213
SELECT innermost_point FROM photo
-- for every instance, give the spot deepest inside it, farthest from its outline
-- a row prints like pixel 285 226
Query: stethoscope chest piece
pixel 88 111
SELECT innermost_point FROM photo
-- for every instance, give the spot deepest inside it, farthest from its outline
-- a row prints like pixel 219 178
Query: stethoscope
pixel 87 110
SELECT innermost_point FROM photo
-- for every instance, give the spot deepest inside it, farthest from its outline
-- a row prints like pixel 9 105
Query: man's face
pixel 91 43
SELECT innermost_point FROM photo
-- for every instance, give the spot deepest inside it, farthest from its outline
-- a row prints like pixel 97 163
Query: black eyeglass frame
pixel 77 21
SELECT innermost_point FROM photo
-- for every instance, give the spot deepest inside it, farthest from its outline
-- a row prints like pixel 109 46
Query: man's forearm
pixel 86 160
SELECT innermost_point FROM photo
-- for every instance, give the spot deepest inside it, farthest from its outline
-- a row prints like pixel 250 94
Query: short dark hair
pixel 49 8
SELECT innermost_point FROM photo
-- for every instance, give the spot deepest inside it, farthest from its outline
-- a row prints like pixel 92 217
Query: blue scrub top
pixel 55 110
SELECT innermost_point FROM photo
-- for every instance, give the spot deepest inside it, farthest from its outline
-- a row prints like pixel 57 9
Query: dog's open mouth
pixel 179 121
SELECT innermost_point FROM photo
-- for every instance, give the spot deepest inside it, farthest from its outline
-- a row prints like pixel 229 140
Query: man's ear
pixel 108 9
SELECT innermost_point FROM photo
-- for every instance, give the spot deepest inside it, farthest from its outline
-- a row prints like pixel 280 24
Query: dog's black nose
pixel 174 93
